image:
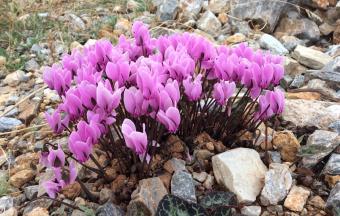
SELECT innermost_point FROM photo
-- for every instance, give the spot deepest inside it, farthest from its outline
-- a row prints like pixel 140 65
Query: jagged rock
pixel 209 23
pixel 278 181
pixel 190 8
pixel 335 126
pixel 76 22
pixel 219 6
pixel 7 124
pixel 145 199
pixel 311 113
pixel 333 165
pixel 167 10
pixel 297 198
pixel 174 165
pixel 298 81
pixel 287 144
pixel 182 186
pixel 266 13
pixel 318 146
pixel 330 73
pixel 310 57
pixel 31 191
pixel 10 212
pixel 317 202
pixel 28 111
pixel 326 29
pixel 109 209
pixel 13 79
pixel 271 43
pixel 290 42
pixel 31 65
pixel 39 211
pixel 241 171
pixel 292 67
pixel 6 202
pixel 251 210
pixel 201 177
pixel 336 33
pixel 22 177
pixel 304 29
pixel 333 201
pixel 209 182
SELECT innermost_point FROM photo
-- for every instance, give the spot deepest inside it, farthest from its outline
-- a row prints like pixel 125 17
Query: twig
pixel 24 129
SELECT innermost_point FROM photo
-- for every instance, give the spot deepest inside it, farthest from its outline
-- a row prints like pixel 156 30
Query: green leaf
pixel 171 205
pixel 87 211
pixel 222 210
pixel 216 199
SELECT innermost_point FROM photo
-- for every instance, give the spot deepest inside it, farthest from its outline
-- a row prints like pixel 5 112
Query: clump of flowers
pixel 126 98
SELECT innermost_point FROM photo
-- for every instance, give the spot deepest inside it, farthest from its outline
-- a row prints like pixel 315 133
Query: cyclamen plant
pixel 133 94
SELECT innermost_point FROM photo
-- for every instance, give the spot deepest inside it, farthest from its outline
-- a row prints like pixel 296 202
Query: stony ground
pixel 294 171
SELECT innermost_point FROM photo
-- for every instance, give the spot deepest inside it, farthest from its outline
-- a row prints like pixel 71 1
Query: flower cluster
pixel 143 88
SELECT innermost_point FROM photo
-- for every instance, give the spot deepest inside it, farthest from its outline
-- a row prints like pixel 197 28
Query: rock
pixel 271 43
pixel 37 204
pixel 51 95
pixel 31 65
pixel 13 79
pixel 290 42
pixel 333 50
pixel 298 81
pixel 333 201
pixel 10 212
pixel 3 61
pixel 265 13
pixel 75 45
pixel 201 177
pixel 241 27
pixel 182 186
pixel 241 171
pixel 332 166
pixel 174 165
pixel 219 6
pixel 336 33
pixel 335 126
pixel 7 124
pixel 146 197
pixel 31 191
pixel 209 182
pixel 326 29
pixel 310 57
pixel 105 195
pixel 287 144
pixel 39 211
pixel 292 67
pixel 311 113
pixel 303 95
pixel 109 209
pixel 296 198
pixel 123 25
pixel 235 38
pixel 209 23
pixel 304 29
pixel 317 202
pixel 330 73
pixel 28 111
pixel 6 202
pixel 278 181
pixel 167 10
pixel 251 210
pixel 71 191
pixel 223 18
pixel 274 157
pixel 76 22
pixel 190 8
pixel 22 177
pixel 318 146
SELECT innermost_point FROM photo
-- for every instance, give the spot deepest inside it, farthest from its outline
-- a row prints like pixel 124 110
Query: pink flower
pixel 107 100
pixel 170 119
pixel 54 158
pixel 193 89
pixel 52 188
pixel 133 101
pixel 87 93
pixel 73 104
pixel 57 78
pixel 118 71
pixel 223 90
pixel 136 141
pixel 277 99
pixel 140 33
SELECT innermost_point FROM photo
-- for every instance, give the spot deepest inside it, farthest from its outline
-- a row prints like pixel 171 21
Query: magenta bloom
pixel 52 188
pixel 57 78
pixel 277 99
pixel 107 100
pixel 136 141
pixel 118 72
pixel 133 101
pixel 140 33
pixel 170 119
pixel 193 89
pixel 223 91
pixel 55 158
pixel 87 93
pixel 80 143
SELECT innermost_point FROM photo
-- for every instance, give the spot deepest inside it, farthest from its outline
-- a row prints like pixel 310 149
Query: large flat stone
pixel 241 171
pixel 310 57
